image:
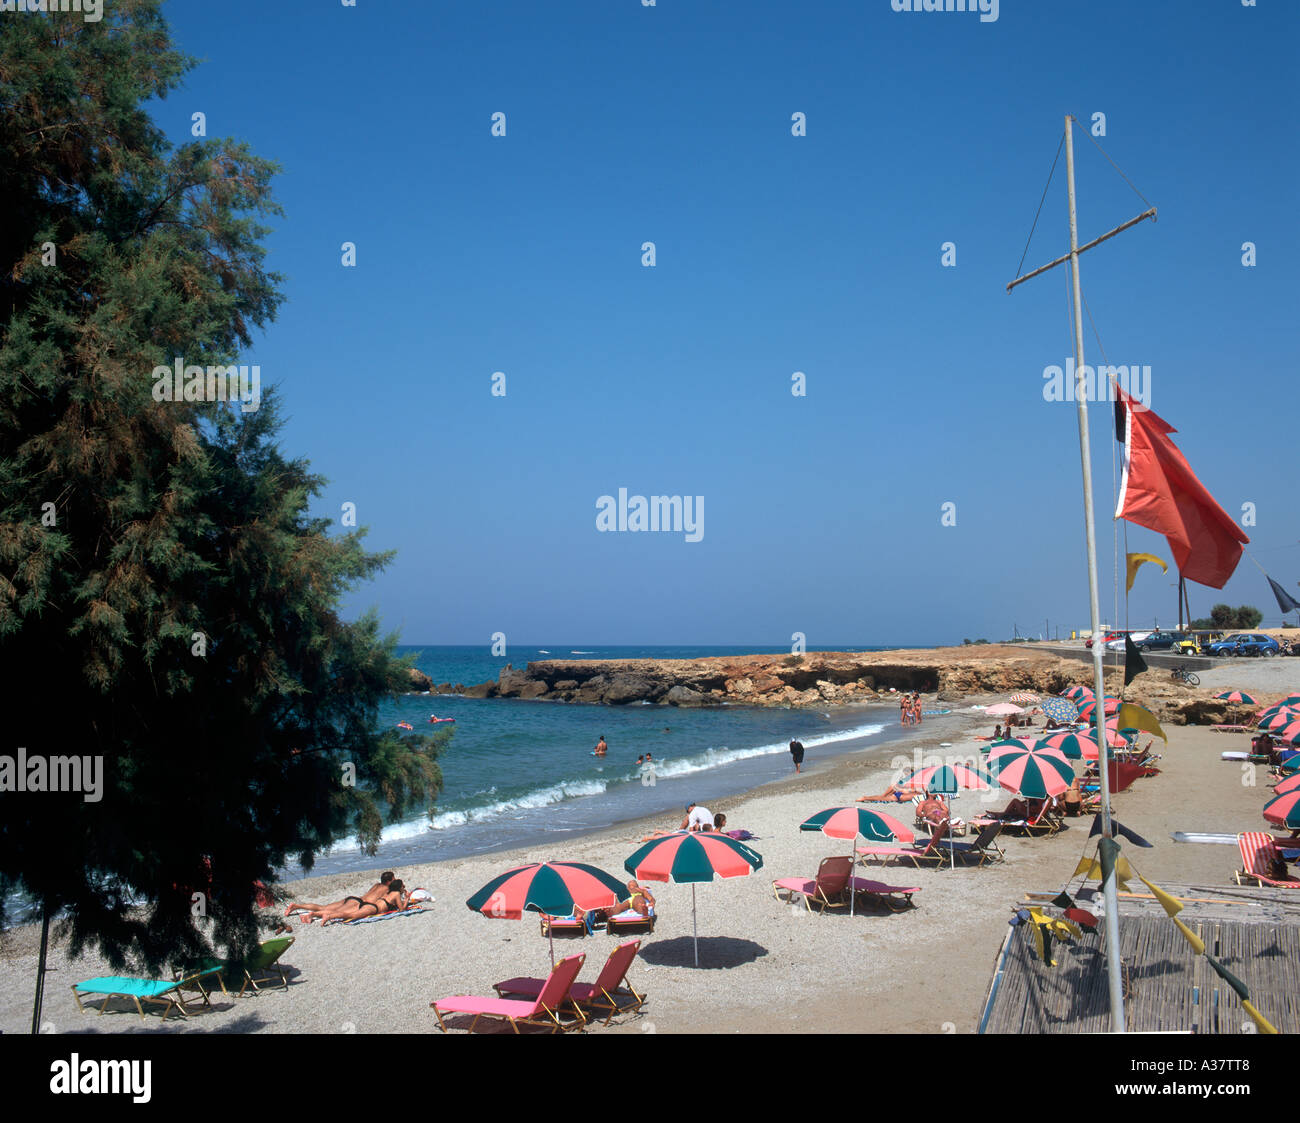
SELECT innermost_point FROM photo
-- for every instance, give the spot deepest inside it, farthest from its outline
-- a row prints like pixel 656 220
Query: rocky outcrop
pixel 420 682
pixel 817 679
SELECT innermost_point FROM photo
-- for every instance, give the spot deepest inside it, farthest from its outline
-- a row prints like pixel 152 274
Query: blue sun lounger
pixel 161 992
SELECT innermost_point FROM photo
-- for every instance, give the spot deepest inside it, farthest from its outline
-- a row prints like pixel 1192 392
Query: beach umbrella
pixel 1037 771
pixel 1078 693
pixel 553 888
pixel 1290 700
pixel 1235 696
pixel 1061 710
pixel 1288 734
pixel 1073 746
pixel 948 779
pixel 1277 716
pixel 1290 784
pixel 1284 810
pixel 849 822
pixel 1022 698
pixel 1003 708
pixel 1088 708
pixel 693 856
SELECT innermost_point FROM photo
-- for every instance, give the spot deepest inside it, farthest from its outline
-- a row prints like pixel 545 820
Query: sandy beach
pixel 765 965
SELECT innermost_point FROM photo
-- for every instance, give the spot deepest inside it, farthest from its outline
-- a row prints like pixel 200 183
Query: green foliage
pixel 1224 617
pixel 177 526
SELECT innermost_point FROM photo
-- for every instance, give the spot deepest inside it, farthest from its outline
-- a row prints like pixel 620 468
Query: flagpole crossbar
pixel 1151 214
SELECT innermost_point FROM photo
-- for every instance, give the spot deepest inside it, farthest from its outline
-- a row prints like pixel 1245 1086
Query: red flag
pixel 1160 491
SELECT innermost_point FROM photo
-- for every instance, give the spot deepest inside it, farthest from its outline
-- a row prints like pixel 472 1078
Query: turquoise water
pixel 522 773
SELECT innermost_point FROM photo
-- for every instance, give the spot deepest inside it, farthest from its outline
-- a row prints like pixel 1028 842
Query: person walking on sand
pixel 796 751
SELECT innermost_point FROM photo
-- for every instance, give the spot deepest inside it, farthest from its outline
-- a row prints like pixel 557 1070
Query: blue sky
pixel 774 254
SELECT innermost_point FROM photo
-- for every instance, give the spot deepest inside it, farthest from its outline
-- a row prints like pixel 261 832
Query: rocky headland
pixel 820 679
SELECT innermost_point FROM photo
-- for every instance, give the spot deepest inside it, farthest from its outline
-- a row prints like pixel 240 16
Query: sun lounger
pixel 262 966
pixel 828 888
pixel 915 853
pixel 563 926
pixel 983 848
pixel 1040 824
pixel 543 1010
pixel 161 992
pixel 893 897
pixel 1256 850
pixel 611 985
pixel 630 921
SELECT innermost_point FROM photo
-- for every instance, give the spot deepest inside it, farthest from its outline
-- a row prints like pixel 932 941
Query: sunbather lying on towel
pixel 355 908
pixel 892 794
pixel 639 901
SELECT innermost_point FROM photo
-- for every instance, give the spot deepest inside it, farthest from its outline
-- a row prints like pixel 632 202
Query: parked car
pixel 1108 638
pixel 1159 641
pixel 1245 643
pixel 1143 641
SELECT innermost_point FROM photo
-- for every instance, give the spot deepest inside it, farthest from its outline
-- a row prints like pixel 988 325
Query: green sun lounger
pixel 161 992
pixel 262 966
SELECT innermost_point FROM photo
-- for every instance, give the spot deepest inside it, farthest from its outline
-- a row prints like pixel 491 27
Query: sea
pixel 522 773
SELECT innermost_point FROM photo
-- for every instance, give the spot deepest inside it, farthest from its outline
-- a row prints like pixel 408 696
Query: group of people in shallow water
pixel 909 708
pixel 388 894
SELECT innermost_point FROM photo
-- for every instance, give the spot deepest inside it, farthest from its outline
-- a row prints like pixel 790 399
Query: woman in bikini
pixel 639 901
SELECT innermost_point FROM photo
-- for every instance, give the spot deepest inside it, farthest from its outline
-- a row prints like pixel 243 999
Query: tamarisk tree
pixel 168 608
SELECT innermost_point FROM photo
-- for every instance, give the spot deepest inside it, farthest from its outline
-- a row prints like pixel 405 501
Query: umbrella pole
pixel 695 931
pixel 853 897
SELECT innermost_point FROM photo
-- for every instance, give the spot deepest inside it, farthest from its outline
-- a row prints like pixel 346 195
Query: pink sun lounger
pixel 543 1010
pixel 605 993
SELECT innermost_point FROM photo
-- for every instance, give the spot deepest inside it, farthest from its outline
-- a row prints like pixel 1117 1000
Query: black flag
pixel 1285 601
pixel 1134 664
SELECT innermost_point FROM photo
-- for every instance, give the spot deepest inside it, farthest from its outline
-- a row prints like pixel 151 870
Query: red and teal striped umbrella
pixel 849 822
pixel 1073 746
pixel 1037 771
pixel 1288 734
pixel 1290 784
pixel 1290 700
pixel 1089 708
pixel 1077 693
pixel 553 888
pixel 1275 717
pixel 693 856
pixel 948 779
pixel 550 887
pixel 1284 810
pixel 1235 696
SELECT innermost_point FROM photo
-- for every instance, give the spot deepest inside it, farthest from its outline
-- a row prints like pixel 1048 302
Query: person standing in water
pixel 601 748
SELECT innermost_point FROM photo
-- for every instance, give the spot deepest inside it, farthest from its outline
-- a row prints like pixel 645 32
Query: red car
pixel 1106 638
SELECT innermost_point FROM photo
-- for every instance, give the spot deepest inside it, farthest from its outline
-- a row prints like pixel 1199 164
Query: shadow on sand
pixel 715 952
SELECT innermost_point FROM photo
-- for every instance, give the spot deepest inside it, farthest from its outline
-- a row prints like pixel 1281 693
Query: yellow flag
pixel 1265 1026
pixel 1088 866
pixel 1135 562
pixel 1173 906
pixel 1198 945
pixel 1132 716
